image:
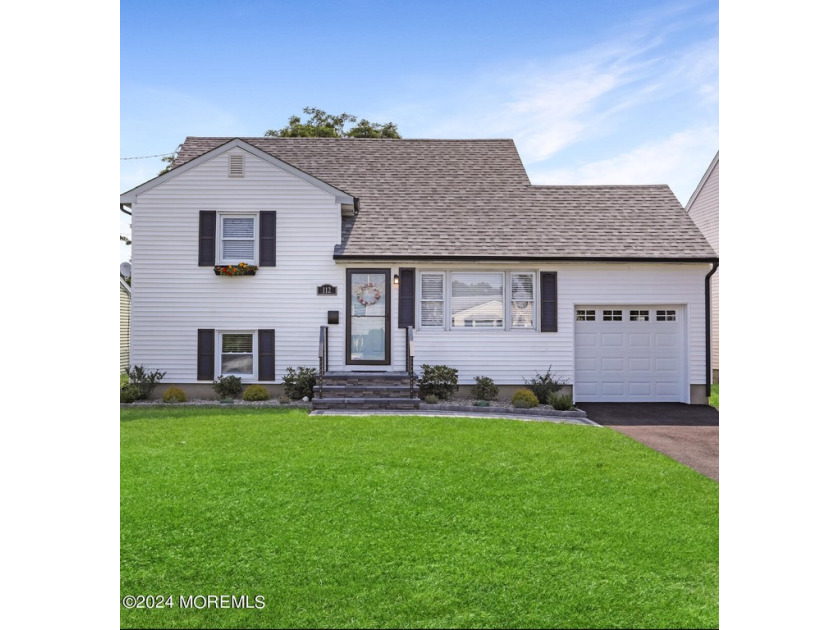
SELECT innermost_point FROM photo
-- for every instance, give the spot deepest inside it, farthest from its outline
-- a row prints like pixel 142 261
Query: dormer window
pixel 236 165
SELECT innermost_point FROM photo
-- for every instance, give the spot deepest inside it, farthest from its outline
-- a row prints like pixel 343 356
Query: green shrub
pixel 544 384
pixel 481 403
pixel 524 399
pixel 144 380
pixel 431 399
pixel 128 392
pixel 438 380
pixel 255 392
pixel 561 402
pixel 299 383
pixel 228 386
pixel 174 395
pixel 485 388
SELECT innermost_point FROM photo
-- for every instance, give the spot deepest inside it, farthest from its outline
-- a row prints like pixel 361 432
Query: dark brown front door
pixel 368 317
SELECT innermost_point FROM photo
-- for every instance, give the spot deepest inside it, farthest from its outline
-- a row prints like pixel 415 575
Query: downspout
pixel 122 209
pixel 709 328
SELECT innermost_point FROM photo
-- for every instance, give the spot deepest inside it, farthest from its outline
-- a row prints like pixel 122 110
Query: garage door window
pixel 612 316
pixel 639 316
pixel 666 316
pixel 585 316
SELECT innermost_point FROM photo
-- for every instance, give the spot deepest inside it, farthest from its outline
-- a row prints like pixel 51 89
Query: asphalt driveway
pixel 686 433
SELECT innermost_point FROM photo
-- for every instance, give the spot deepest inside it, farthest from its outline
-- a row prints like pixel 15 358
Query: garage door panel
pixel 586 340
pixel 612 340
pixel 638 340
pixel 631 361
pixel 612 364
pixel 640 389
pixel 613 388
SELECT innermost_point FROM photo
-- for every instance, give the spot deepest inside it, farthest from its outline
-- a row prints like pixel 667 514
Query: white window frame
pixel 503 298
pixel 221 216
pixel 507 291
pixel 254 353
pixel 443 301
pixel 534 303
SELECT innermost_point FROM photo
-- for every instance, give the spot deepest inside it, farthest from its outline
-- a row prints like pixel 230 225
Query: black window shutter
pixel 206 354
pixel 406 299
pixel 268 240
pixel 207 238
pixel 548 301
pixel 265 344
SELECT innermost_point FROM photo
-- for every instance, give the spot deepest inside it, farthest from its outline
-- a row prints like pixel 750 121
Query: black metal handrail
pixel 323 358
pixel 409 358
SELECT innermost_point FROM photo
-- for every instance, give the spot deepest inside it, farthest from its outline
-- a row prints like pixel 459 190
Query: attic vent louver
pixel 236 166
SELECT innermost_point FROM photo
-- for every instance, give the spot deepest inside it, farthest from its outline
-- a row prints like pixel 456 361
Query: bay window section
pixel 522 300
pixel 431 300
pixel 477 300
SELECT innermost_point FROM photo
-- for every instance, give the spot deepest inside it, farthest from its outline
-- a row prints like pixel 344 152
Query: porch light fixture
pixel 396 279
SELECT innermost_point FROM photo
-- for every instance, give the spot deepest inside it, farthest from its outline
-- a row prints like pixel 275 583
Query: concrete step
pixel 369 390
pixel 339 402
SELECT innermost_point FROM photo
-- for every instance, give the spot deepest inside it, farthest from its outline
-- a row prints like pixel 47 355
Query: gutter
pixel 532 259
pixel 709 329
pixel 122 208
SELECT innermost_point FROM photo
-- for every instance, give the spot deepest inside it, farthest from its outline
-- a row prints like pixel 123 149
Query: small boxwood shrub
pixel 128 392
pixel 431 399
pixel 299 382
pixel 228 386
pixel 438 380
pixel 524 399
pixel 561 402
pixel 544 384
pixel 174 395
pixel 255 392
pixel 485 388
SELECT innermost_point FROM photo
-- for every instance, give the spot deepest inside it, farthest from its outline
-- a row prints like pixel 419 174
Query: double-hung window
pixel 431 300
pixel 237 353
pixel 237 236
pixel 522 300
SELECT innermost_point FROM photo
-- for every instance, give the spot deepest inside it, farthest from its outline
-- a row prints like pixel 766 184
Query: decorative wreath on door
pixel 368 294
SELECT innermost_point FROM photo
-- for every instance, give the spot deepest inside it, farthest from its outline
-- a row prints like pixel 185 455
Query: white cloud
pixel 679 161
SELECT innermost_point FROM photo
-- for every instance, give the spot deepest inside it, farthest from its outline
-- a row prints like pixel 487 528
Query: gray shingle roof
pixel 473 198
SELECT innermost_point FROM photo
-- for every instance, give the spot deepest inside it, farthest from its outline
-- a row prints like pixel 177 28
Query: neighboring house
pixel 703 209
pixel 125 324
pixel 447 239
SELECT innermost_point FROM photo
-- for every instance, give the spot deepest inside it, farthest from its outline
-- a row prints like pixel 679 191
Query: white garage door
pixel 630 354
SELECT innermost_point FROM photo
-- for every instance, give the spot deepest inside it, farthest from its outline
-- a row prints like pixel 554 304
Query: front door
pixel 368 317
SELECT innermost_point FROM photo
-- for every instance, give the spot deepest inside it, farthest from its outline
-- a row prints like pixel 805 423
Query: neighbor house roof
pixel 459 199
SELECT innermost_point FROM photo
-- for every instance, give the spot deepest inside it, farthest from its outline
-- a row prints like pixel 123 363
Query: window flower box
pixel 242 269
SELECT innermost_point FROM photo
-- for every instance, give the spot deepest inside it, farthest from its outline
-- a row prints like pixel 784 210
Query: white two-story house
pixel 447 240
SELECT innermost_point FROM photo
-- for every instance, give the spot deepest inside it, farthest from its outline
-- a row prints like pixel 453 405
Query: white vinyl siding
pixel 174 297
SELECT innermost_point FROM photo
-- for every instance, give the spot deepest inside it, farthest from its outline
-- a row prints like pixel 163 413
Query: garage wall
pixel 642 284
pixel 509 356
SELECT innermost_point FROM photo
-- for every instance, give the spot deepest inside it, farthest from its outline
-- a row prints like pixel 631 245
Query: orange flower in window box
pixel 242 269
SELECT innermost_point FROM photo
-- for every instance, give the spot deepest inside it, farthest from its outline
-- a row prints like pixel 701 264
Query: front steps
pixel 365 390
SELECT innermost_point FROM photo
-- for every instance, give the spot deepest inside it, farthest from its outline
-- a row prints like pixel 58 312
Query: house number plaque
pixel 327 289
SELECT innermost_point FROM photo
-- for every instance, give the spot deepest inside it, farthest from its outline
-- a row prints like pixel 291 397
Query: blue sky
pixel 592 92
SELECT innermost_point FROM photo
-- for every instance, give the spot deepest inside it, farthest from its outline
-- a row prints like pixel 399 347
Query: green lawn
pixel 714 399
pixel 410 522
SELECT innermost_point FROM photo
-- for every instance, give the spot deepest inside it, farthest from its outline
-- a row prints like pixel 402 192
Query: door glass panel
pixel 368 316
